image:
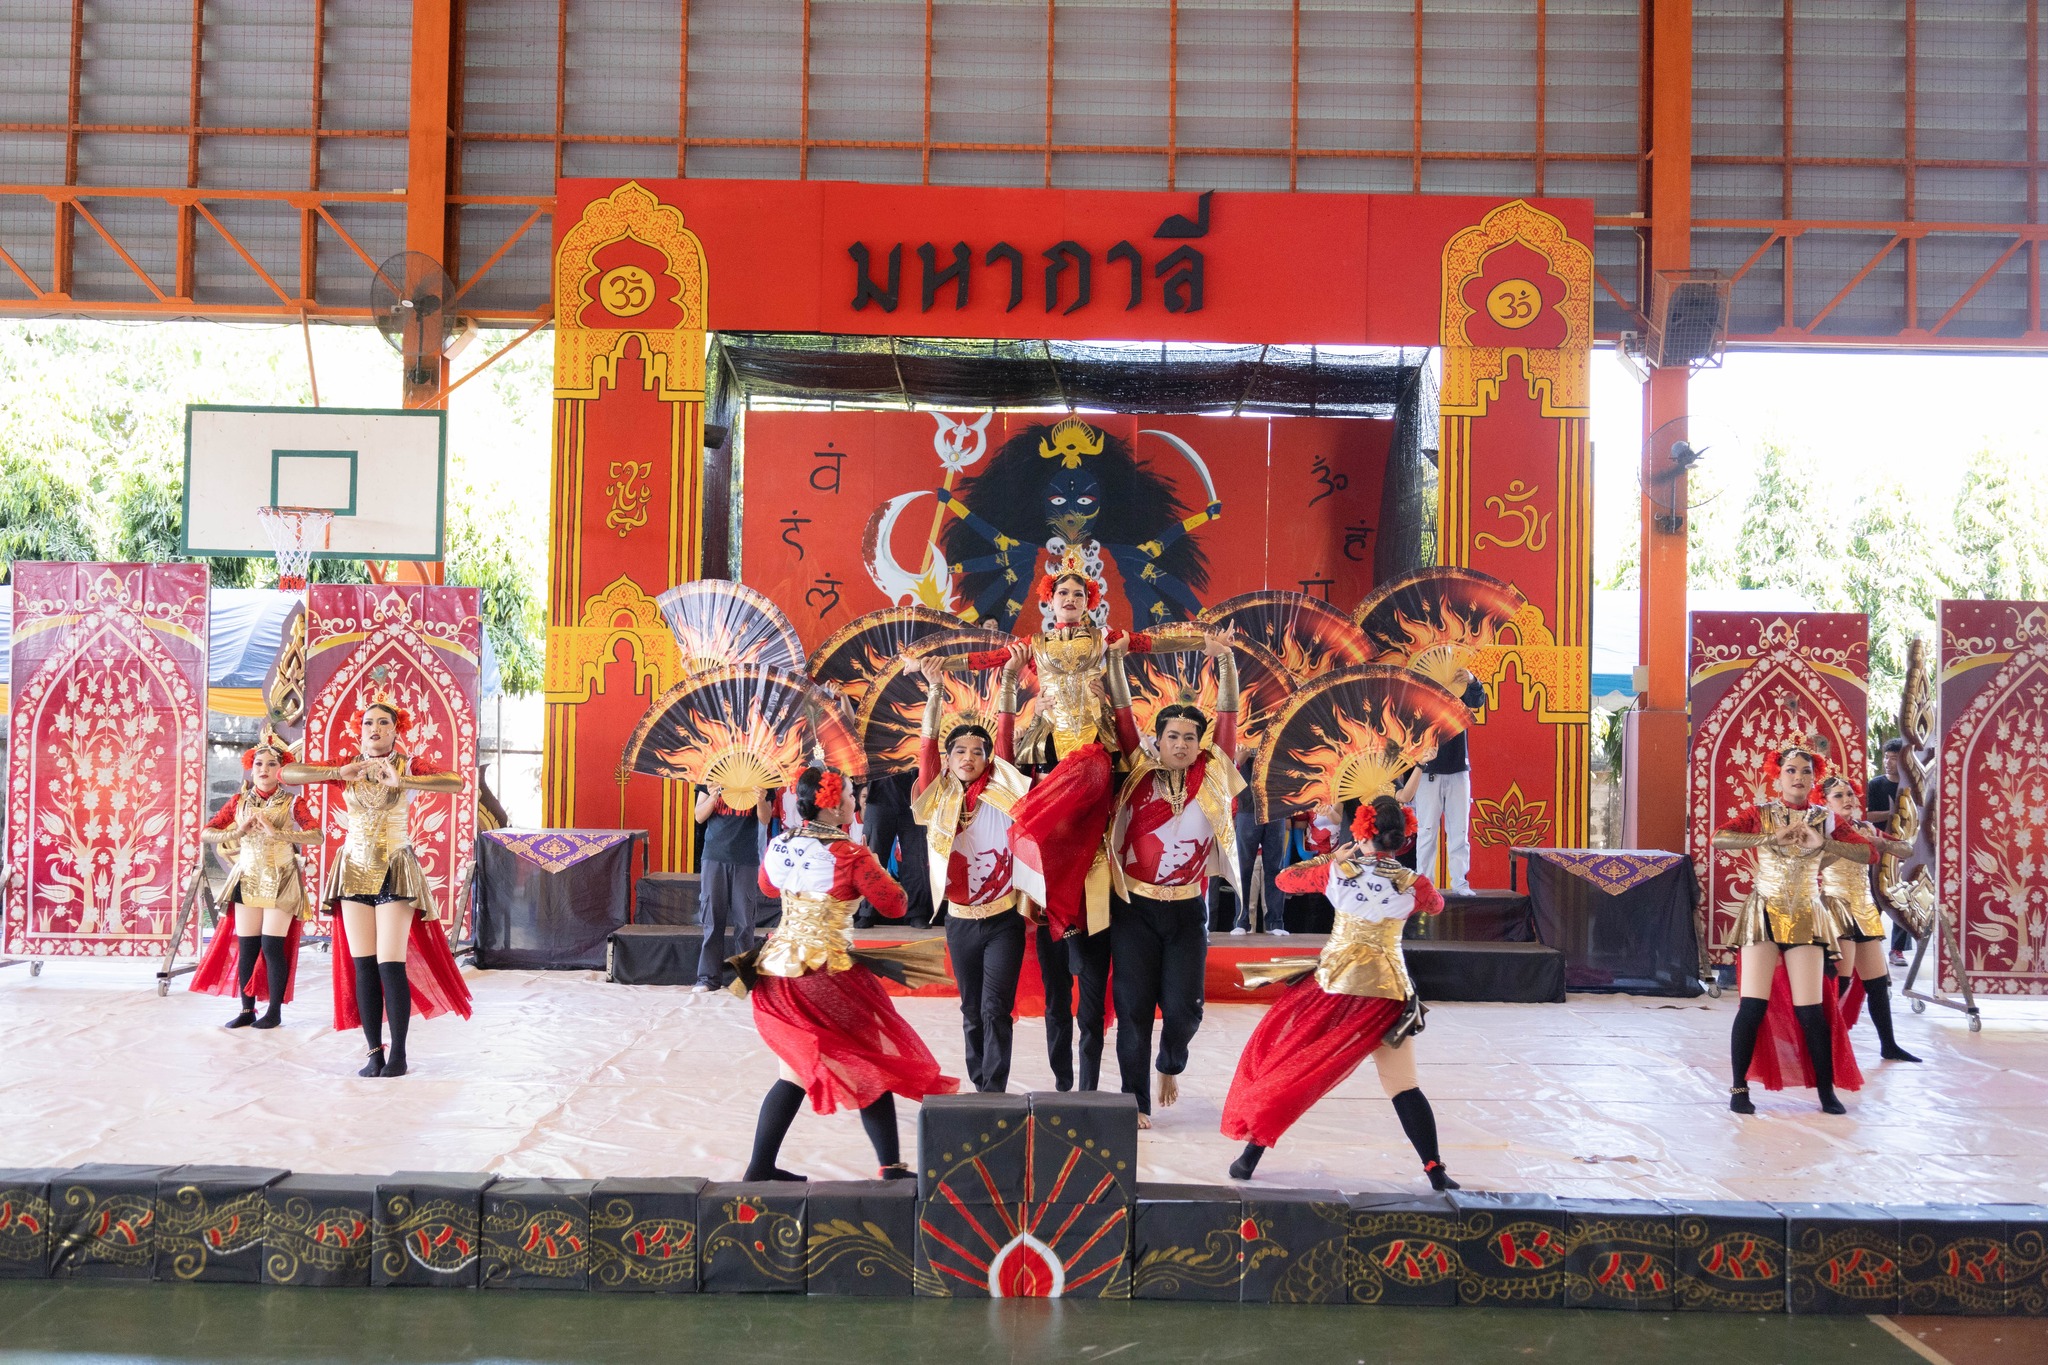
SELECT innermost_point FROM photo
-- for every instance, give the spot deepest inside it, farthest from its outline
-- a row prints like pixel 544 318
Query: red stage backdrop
pixel 1991 823
pixel 420 645
pixel 1300 500
pixel 644 268
pixel 1756 679
pixel 106 756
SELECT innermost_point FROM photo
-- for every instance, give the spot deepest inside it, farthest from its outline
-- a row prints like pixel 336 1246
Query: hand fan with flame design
pixel 746 729
pixel 718 623
pixel 1162 679
pixel 1437 621
pixel 1348 736
pixel 892 713
pixel 1306 634
pixel 852 657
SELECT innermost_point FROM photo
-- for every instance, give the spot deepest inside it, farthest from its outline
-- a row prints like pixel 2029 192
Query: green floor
pixel 42 1321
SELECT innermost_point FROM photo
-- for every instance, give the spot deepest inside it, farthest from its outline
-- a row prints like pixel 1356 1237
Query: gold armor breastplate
pixel 1787 884
pixel 1071 699
pixel 376 823
pixel 264 858
pixel 1363 957
pixel 816 934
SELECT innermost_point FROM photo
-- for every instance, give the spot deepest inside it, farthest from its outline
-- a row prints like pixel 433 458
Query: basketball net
pixel 292 532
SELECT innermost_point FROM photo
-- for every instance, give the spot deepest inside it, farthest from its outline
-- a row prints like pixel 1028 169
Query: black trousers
pixel 884 827
pixel 987 954
pixel 1254 840
pixel 729 897
pixel 1161 950
pixel 1081 959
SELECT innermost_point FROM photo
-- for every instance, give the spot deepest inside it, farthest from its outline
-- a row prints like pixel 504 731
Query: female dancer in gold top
pixel 1845 886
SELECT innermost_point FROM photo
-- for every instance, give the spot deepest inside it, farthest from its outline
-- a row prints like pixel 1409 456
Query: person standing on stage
pixel 727 894
pixel 1171 832
pixel 887 826
pixel 1354 1001
pixel 1784 921
pixel 1881 803
pixel 965 790
pixel 1445 798
pixel 1845 886
pixel 260 829
pixel 383 893
pixel 1264 845
pixel 819 1008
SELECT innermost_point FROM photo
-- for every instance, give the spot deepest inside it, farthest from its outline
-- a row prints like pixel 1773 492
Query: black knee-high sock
pixel 1749 1021
pixel 274 973
pixel 397 1013
pixel 248 947
pixel 1841 984
pixel 879 1119
pixel 1418 1121
pixel 1820 1048
pixel 778 1111
pixel 370 1000
pixel 1247 1162
pixel 1877 994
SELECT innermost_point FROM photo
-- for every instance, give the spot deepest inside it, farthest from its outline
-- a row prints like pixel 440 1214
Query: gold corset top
pixel 376 821
pixel 1847 880
pixel 268 848
pixel 1785 879
pixel 1070 689
pixel 1363 957
pixel 816 934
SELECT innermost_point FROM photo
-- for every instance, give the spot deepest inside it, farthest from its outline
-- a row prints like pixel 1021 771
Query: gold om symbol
pixel 1535 532
pixel 626 291
pixel 629 495
pixel 1514 304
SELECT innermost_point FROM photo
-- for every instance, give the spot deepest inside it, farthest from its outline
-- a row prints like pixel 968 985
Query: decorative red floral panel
pixel 420 646
pixel 1758 678
pixel 106 756
pixel 1991 811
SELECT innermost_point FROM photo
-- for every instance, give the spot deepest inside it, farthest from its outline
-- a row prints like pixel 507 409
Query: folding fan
pixel 853 656
pixel 1162 679
pixel 1306 634
pixel 1348 737
pixel 1436 621
pixel 718 623
pixel 892 713
pixel 746 729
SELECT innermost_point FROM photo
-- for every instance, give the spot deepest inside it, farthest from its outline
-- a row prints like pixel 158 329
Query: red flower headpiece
pixel 1816 750
pixel 1364 826
pixel 1070 564
pixel 271 742
pixel 831 790
pixel 1838 780
pixel 401 719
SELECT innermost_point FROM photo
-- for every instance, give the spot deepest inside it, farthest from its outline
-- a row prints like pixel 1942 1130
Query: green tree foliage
pixel 482 556
pixel 42 515
pixel 1892 574
pixel 1792 534
pixel 1999 529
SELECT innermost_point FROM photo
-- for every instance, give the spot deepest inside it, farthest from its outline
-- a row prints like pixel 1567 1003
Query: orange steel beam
pixel 803 124
pixel 1172 87
pixel 1657 730
pixel 925 168
pixel 1415 132
pixel 428 142
pixel 1051 30
pixel 1854 280
pixel 1294 99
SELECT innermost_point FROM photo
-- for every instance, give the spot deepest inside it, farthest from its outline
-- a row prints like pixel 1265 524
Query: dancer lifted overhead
pixel 1171 832
pixel 1845 886
pixel 819 1005
pixel 965 791
pixel 1354 1001
pixel 260 829
pixel 388 946
pixel 1784 922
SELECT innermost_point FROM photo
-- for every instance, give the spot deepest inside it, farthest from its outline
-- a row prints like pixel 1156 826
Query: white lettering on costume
pixel 796 862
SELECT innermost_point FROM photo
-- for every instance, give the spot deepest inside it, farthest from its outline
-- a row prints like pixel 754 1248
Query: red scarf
pixel 971 800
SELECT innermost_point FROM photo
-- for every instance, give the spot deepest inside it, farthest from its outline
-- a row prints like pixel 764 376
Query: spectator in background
pixel 886 824
pixel 729 893
pixel 1445 798
pixel 1880 804
pixel 1254 841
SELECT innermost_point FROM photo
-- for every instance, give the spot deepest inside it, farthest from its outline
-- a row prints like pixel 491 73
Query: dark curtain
pixel 527 916
pixel 1642 941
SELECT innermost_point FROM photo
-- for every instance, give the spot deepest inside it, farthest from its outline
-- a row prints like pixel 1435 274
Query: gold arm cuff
pixel 432 782
pixel 1176 640
pixel 1726 839
pixel 305 836
pixel 934 711
pixel 1226 682
pixel 216 836
pixel 1006 695
pixel 948 663
pixel 1848 853
pixel 299 774
pixel 1119 685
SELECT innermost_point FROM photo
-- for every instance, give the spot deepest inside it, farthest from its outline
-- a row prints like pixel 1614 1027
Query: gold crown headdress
pixel 1071 440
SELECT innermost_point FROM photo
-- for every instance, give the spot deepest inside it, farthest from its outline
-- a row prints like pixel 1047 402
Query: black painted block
pixel 1405 1250
pixel 1513 1248
pixel 1297 1247
pixel 319 1231
pixel 1618 1254
pixel 536 1235
pixel 1187 1242
pixel 429 1229
pixel 1071 1250
pixel 861 1237
pixel 1729 1254
pixel 973 1147
pixel 1953 1259
pixel 211 1222
pixel 25 1222
pixel 753 1235
pixel 643 1235
pixel 1080 1139
pixel 104 1221
pixel 1844 1258
pixel 2026 1249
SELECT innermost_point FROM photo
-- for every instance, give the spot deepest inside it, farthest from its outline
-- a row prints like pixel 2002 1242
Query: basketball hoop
pixel 292 532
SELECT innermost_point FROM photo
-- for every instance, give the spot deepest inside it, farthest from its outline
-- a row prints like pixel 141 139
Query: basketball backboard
pixel 382 472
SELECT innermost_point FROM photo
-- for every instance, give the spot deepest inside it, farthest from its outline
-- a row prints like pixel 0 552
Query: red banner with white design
pixel 106 756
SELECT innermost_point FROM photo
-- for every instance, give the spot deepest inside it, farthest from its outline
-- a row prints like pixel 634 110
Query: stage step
pixel 1510 973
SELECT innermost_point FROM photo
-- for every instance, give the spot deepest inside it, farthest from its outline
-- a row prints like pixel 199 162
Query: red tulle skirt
pixel 1781 1057
pixel 216 972
pixel 1056 831
pixel 1852 1002
pixel 1305 1047
pixel 437 984
pixel 841 1035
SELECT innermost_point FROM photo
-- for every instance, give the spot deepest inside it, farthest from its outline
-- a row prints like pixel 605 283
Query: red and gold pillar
pixel 629 287
pixel 1515 501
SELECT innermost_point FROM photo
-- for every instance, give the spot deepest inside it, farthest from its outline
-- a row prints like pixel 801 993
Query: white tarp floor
pixel 561 1074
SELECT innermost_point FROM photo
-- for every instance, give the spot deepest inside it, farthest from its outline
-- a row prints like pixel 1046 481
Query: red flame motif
pixel 1248 1230
pixel 663 1241
pixel 1026 1269
pixel 1351 734
pixel 745 1213
pixel 328 1233
pixel 1740 1260
pixel 13 1217
pixel 1416 1262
